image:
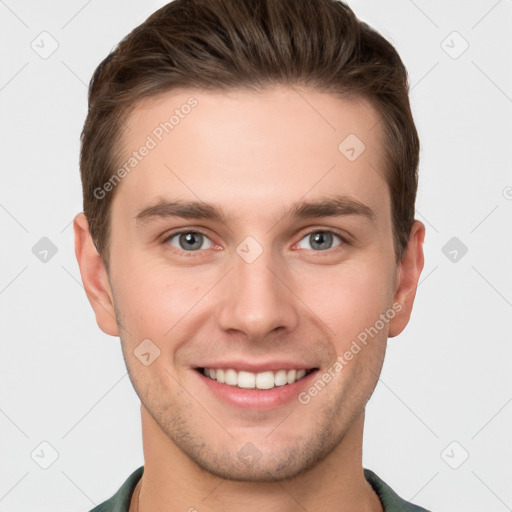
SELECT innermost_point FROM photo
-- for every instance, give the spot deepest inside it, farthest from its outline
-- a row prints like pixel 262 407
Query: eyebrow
pixel 337 206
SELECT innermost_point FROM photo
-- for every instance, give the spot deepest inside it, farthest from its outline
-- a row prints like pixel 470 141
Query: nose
pixel 257 298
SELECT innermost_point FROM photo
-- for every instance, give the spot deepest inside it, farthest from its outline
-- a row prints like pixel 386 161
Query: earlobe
pixel 407 282
pixel 94 277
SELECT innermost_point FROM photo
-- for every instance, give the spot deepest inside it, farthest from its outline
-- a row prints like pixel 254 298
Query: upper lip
pixel 257 367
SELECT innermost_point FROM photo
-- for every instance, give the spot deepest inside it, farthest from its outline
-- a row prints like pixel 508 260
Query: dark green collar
pixel 120 502
pixel 390 500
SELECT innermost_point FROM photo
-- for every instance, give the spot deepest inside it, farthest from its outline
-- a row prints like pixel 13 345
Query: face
pixel 252 236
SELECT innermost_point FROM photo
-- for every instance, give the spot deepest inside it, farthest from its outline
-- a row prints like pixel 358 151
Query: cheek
pixel 348 298
pixel 152 298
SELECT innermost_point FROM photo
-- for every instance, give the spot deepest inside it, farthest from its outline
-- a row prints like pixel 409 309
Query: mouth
pixel 251 380
pixel 262 391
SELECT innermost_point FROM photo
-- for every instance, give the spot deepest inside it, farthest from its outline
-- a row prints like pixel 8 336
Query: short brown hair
pixel 226 44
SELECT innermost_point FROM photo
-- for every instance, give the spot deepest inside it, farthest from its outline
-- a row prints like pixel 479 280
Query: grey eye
pixel 189 240
pixel 319 240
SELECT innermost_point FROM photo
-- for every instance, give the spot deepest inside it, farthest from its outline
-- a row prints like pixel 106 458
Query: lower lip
pixel 257 399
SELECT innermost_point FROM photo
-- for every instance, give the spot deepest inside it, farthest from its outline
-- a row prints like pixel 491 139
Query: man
pixel 249 172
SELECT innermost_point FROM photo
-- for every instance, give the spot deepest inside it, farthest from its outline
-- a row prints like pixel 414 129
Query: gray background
pixel 445 392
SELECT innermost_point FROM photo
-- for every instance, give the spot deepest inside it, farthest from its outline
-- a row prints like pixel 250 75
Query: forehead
pixel 243 147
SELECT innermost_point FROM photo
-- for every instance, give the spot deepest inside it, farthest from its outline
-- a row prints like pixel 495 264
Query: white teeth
pixel 246 380
pixel 250 380
pixel 300 374
pixel 231 377
pixel 265 380
pixel 280 378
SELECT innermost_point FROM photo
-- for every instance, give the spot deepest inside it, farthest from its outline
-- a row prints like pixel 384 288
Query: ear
pixel 407 279
pixel 94 277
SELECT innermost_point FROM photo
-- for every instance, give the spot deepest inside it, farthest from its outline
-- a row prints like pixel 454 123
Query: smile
pixel 249 380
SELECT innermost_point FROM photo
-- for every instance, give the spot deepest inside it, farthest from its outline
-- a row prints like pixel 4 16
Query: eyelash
pixel 198 231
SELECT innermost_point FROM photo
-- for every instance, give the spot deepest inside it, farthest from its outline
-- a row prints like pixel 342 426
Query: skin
pixel 253 155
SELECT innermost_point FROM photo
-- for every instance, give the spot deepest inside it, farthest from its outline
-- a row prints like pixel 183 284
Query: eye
pixel 320 240
pixel 189 241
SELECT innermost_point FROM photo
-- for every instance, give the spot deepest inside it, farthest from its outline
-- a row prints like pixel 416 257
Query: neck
pixel 173 482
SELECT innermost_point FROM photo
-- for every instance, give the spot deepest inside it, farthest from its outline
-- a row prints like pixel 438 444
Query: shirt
pixel 390 500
